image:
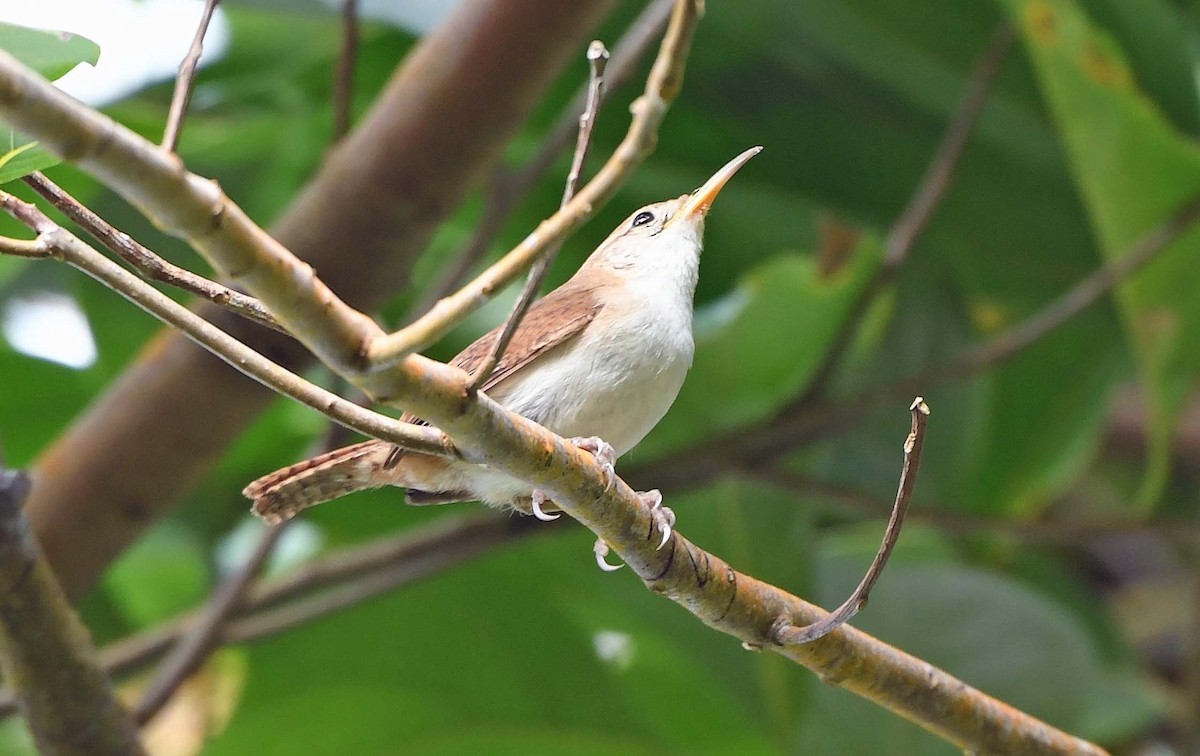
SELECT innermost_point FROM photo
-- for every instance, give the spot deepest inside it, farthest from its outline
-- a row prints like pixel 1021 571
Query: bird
pixel 598 360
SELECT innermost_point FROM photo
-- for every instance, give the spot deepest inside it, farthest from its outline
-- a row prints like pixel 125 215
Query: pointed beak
pixel 701 199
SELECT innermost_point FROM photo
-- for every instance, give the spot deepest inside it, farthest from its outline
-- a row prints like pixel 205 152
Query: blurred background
pixel 1050 557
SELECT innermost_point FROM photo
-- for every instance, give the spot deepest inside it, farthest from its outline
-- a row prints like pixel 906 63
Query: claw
pixel 604 454
pixel 663 517
pixel 601 550
pixel 536 501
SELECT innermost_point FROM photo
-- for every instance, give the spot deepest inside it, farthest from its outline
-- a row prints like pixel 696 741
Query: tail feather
pixel 281 494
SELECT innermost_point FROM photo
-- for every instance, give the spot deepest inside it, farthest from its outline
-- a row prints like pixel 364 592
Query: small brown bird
pixel 601 357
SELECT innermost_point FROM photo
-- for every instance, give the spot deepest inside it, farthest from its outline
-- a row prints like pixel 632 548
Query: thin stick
pixel 787 633
pixel 194 645
pixel 509 187
pixel 921 207
pixel 145 262
pixel 183 82
pixel 46 653
pixel 58 243
pixel 343 83
pixel 597 56
pixel 666 78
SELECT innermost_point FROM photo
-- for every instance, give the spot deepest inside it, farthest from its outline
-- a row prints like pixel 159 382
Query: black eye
pixel 642 218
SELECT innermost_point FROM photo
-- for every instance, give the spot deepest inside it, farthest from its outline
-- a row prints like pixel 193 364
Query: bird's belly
pixel 617 390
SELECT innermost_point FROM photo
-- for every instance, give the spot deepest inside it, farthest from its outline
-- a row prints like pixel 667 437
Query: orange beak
pixel 702 199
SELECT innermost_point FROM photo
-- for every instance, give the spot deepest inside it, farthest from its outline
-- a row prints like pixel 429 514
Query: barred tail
pixel 281 494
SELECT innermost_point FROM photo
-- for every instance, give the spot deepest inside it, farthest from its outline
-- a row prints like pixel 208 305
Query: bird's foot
pixel 601 549
pixel 537 499
pixel 604 454
pixel 662 517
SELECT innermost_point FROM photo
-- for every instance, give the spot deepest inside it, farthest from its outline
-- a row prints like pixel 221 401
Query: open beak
pixel 702 198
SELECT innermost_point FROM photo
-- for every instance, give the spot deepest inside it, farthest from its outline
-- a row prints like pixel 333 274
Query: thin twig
pixel 61 244
pixel 508 187
pixel 183 82
pixel 662 86
pixel 145 262
pixel 46 653
pixel 343 83
pixel 787 633
pixel 194 646
pixel 597 57
pixel 920 209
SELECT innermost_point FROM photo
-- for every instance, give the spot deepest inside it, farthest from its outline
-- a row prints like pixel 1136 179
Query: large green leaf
pixel 52 54
pixel 1133 169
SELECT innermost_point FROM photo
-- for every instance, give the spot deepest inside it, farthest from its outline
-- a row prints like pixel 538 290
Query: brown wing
pixel 554 319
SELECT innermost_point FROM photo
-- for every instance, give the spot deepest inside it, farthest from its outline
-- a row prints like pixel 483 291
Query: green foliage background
pixel 1088 141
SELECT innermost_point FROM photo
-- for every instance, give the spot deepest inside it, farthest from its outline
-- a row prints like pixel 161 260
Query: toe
pixel 601 550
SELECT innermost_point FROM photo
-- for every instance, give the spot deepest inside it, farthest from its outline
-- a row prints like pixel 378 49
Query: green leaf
pixel 24 159
pixel 50 53
pixel 1133 170
pixel 162 575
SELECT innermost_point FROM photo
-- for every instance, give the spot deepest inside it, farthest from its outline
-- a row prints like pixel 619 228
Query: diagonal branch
pixel 45 651
pixel 597 56
pixel 508 188
pixel 55 242
pixel 666 78
pixel 343 83
pixel 146 263
pixel 182 96
pixel 787 633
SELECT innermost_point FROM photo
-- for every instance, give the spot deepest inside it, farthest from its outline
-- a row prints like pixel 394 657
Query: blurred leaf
pixel 163 574
pixel 50 53
pixel 1133 170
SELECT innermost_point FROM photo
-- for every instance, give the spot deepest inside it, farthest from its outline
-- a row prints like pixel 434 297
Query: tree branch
pixel 182 96
pixel 508 188
pixel 666 78
pixel 597 56
pixel 786 632
pixel 57 243
pixel 45 651
pixel 146 263
pixel 324 585
pixel 343 82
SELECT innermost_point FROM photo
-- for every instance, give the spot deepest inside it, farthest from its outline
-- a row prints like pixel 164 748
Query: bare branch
pixel 787 633
pixel 343 83
pixel 75 252
pixel 325 585
pixel 508 188
pixel 45 651
pixel 183 82
pixel 204 635
pixel 921 207
pixel 597 56
pixel 662 87
pixel 146 263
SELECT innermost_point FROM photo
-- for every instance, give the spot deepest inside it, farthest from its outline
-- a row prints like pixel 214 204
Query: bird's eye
pixel 642 218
